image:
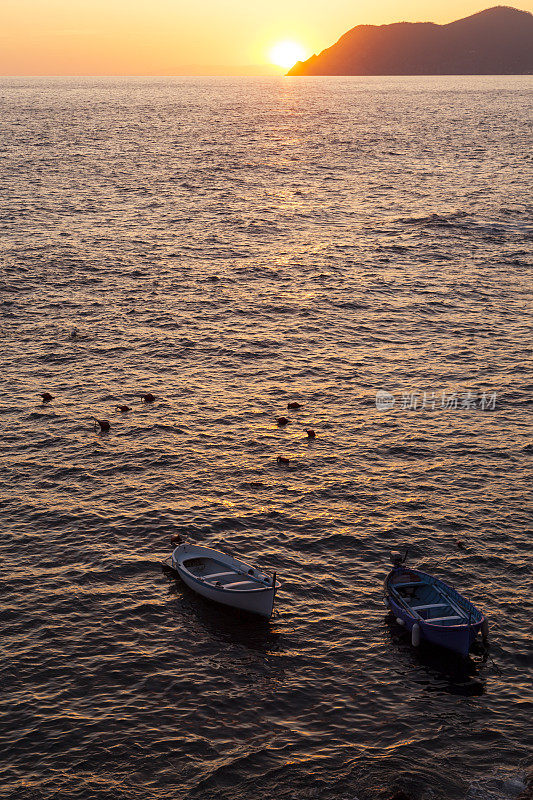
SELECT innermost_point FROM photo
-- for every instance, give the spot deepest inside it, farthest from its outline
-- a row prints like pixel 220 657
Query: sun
pixel 286 54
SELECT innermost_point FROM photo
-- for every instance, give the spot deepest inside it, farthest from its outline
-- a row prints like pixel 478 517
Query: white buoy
pixel 415 635
pixel 485 629
pixel 400 621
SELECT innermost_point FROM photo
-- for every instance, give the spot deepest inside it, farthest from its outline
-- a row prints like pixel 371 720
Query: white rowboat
pixel 222 578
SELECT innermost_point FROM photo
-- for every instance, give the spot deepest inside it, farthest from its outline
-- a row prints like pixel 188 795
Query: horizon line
pixel 184 70
pixel 261 75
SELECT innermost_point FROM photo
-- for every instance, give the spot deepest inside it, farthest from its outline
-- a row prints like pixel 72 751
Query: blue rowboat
pixel 431 610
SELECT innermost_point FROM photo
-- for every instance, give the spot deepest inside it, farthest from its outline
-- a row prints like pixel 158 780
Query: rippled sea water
pixel 232 245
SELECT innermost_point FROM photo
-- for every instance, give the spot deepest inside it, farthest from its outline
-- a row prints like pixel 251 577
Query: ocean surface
pixel 232 245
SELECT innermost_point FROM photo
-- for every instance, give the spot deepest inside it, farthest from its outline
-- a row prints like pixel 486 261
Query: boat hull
pixel 258 601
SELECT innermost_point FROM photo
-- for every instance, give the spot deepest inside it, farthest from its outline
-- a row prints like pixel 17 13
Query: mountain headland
pixel 497 41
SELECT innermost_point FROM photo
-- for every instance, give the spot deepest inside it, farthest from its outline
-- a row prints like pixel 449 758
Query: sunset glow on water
pixel 231 246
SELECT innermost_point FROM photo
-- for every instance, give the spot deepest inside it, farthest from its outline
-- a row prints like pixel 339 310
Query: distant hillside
pixel 498 41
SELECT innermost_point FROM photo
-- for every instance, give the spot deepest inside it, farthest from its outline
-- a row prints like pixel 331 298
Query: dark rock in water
pixel 104 424
pixel 283 460
pixel 123 409
pixel 47 397
pixel 294 406
pixel 310 433
pixel 148 397
pixel 282 421
pixel 497 41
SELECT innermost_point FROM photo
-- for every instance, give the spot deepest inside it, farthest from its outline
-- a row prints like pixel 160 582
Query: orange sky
pixel 176 37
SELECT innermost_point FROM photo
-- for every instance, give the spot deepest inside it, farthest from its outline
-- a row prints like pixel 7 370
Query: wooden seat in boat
pixel 409 585
pixel 218 574
pixel 239 583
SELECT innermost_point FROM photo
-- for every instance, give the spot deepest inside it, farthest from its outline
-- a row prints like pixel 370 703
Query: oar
pixel 405 605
